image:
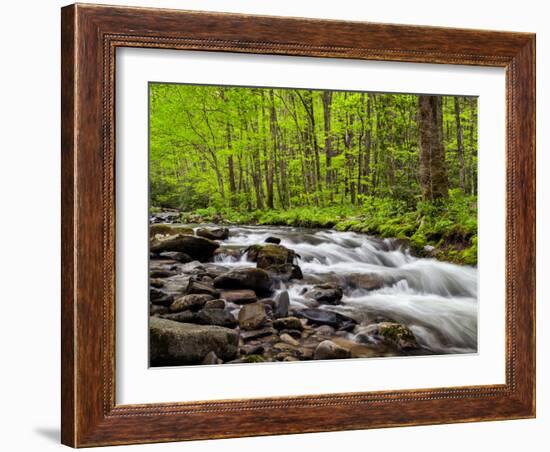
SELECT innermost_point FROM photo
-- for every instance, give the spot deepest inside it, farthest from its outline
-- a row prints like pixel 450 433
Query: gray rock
pixel 282 303
pixel 288 339
pixel 255 334
pixel 177 256
pixel 216 316
pixel 161 273
pixel 157 296
pixel 213 233
pixel 174 343
pixel 396 334
pixel 285 272
pixel 322 317
pixel 156 283
pixel 192 302
pixel 168 229
pixel 329 350
pixel 183 316
pixel 211 358
pixel 214 304
pixel 326 293
pixel 239 296
pixel 254 279
pixel 198 248
pixel 252 316
pixel 195 287
pixel 288 323
pixel 365 281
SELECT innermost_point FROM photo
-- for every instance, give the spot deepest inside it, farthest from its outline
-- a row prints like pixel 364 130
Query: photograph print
pixel 292 225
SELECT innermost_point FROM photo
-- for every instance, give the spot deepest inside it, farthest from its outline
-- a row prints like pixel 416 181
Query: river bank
pixel 277 293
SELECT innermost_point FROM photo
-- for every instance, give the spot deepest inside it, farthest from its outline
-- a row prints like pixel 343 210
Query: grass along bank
pixel 449 226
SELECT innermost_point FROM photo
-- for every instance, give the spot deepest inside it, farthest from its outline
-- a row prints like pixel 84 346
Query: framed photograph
pixel 281 225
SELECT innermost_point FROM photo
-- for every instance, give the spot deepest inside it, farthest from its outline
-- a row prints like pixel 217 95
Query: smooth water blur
pixel 437 300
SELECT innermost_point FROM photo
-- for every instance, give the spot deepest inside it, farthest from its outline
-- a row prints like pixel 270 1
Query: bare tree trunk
pixel 459 144
pixel 327 102
pixel 432 169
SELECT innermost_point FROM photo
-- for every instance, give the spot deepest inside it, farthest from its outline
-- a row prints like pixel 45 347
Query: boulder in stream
pixel 252 316
pixel 396 334
pixel 168 229
pixel 282 304
pixel 198 248
pixel 216 316
pixel 213 233
pixel 329 350
pixel 174 343
pixel 323 317
pixel 191 302
pixel 244 296
pixel 326 293
pixel 271 239
pixel 254 279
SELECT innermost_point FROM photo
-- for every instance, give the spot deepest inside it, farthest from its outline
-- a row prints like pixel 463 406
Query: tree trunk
pixel 459 145
pixel 432 169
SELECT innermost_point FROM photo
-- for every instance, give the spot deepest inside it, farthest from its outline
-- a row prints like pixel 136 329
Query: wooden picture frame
pixel 90 36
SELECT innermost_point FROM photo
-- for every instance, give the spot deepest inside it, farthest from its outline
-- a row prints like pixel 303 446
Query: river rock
pixel 224 252
pixel 160 297
pixel 155 309
pixel 288 323
pixel 256 349
pixel 157 283
pixel 395 334
pixel 259 333
pixel 285 272
pixel 252 316
pixel 174 343
pixel 168 229
pixel 176 256
pixel 323 317
pixel 198 248
pixel 369 281
pixel 192 302
pixel 275 240
pixel 271 254
pixel 296 334
pixel 213 233
pixel 211 358
pixel 183 316
pixel 216 316
pixel 254 279
pixel 329 350
pixel 161 273
pixel 326 293
pixel 195 287
pixel 288 339
pixel 239 296
pixel 282 305
pixel 165 216
pixel 214 304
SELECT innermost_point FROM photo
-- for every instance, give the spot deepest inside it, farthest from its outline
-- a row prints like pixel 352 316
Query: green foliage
pixel 318 159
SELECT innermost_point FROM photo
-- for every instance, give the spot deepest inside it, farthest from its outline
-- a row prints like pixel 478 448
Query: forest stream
pixel 368 297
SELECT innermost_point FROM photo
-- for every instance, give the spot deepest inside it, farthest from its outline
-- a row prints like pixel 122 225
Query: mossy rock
pixel 253 359
pixel 168 229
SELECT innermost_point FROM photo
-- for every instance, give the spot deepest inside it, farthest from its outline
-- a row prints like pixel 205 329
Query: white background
pixel 29 118
pixel 138 384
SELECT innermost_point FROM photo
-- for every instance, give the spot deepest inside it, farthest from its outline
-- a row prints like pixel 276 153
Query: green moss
pixel 449 225
pixel 253 359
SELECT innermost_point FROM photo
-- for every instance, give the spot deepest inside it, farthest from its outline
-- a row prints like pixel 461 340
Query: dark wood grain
pixel 90 36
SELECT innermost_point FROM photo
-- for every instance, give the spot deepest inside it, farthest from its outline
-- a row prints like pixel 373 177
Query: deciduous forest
pixel 388 165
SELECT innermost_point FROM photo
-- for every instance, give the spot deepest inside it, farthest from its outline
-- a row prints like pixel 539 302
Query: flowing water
pixel 436 300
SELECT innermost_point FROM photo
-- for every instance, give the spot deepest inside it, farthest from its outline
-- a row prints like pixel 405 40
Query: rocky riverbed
pixel 249 294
